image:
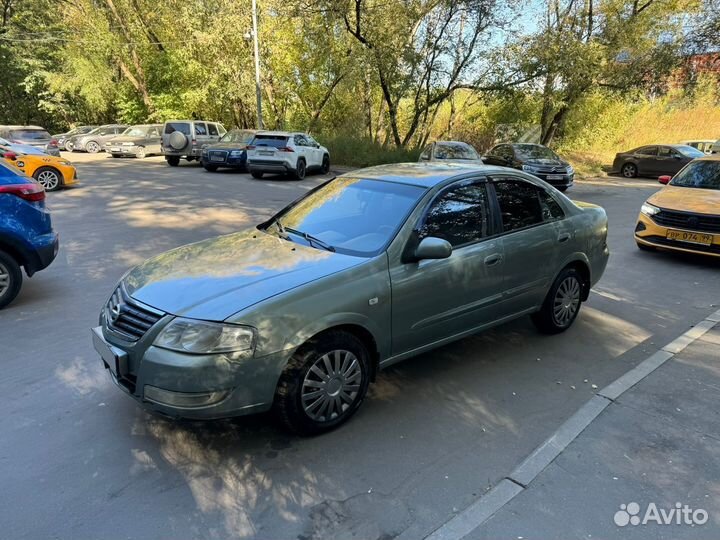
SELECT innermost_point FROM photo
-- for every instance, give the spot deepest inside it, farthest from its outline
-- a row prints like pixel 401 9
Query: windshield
pixel 534 151
pixel 237 136
pixel 31 135
pixel 689 151
pixel 699 174
pixel 455 151
pixel 136 131
pixel 352 215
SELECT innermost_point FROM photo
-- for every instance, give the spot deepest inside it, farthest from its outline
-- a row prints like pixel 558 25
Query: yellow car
pixel 685 215
pixel 51 172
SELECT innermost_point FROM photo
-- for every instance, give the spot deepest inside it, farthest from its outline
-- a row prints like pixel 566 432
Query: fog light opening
pixel 185 400
pixel 640 227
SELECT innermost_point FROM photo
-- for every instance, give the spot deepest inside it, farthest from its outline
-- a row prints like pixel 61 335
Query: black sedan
pixel 229 151
pixel 655 160
pixel 536 159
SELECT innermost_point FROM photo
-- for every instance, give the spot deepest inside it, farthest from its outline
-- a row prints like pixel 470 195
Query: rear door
pixel 303 148
pixel 200 134
pixel 647 160
pixel 530 237
pixel 437 299
pixel 152 144
pixel 213 132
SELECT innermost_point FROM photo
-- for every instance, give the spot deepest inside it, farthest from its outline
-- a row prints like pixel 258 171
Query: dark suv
pixel 186 138
pixel 536 159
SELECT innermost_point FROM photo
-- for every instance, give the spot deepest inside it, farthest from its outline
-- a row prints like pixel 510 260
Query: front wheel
pixel 140 152
pixel 48 178
pixel 173 161
pixel 629 170
pixel 562 303
pixel 256 174
pixel 10 279
pixel 325 164
pixel 210 168
pixel 324 383
pixel 69 146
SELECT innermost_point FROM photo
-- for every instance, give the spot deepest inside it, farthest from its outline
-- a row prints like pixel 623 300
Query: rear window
pixel 182 127
pixel 278 141
pixel 30 134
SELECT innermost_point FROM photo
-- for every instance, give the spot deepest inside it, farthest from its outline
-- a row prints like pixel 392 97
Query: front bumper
pixel 152 375
pixel 649 233
pixel 557 180
pixel 229 161
pixel 122 150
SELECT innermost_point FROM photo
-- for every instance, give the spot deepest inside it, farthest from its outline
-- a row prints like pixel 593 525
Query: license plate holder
pixel 217 158
pixel 690 237
pixel 554 177
pixel 266 153
pixel 114 358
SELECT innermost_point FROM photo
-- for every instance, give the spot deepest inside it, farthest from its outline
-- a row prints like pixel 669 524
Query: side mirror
pixel 12 156
pixel 433 248
pixel 665 179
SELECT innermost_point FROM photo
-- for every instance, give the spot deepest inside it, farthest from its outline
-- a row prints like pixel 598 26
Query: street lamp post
pixel 258 90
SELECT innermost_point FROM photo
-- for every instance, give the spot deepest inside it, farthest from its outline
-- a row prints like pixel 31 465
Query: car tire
pixel 69 147
pixel 323 384
pixel 140 152
pixel 173 161
pixel 300 170
pixel 49 178
pixel 562 303
pixel 629 170
pixel 210 168
pixel 92 147
pixel 256 174
pixel 115 155
pixel 10 279
pixel 325 169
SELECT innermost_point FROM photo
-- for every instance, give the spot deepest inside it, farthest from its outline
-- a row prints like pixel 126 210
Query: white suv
pixel 286 153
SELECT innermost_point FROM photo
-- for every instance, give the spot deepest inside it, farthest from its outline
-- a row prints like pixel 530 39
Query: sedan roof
pixel 421 174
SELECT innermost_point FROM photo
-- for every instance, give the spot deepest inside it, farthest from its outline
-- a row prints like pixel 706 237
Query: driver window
pixel 425 156
pixel 459 215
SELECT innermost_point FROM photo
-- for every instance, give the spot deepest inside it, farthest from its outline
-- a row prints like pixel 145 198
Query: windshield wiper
pixel 279 226
pixel 311 239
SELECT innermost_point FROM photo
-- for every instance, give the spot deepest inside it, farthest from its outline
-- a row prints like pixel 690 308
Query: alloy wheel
pixel 49 180
pixel 92 147
pixel 4 280
pixel 628 171
pixel 567 301
pixel 331 385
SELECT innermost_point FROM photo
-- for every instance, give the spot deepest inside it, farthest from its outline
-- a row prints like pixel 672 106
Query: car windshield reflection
pixel 700 175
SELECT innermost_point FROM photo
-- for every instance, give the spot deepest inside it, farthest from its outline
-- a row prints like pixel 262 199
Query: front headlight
pixel 200 337
pixel 649 209
pixel 529 168
pixel 236 153
pixel 569 170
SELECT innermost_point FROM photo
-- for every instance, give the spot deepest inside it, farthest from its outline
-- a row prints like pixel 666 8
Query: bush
pixel 363 152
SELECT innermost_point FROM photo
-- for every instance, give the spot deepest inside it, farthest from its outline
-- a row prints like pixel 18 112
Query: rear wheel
pixel 93 147
pixel 69 146
pixel 173 161
pixel 140 152
pixel 10 279
pixel 300 170
pixel 210 168
pixel 562 303
pixel 324 383
pixel 49 178
pixel 256 174
pixel 629 170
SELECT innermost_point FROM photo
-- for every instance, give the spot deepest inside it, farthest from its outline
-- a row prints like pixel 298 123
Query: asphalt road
pixel 78 459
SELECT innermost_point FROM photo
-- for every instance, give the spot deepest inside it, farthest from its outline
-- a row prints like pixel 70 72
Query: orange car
pixel 685 215
pixel 51 172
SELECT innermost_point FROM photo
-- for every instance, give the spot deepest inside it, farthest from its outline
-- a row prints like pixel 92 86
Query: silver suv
pixel 186 138
pixel 286 153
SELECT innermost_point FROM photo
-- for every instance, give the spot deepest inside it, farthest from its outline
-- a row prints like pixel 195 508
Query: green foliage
pixel 359 152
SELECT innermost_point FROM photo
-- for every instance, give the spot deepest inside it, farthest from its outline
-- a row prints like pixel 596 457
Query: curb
pixel 516 482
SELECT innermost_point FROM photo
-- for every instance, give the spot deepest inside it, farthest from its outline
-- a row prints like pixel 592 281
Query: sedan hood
pixel 702 201
pixel 216 278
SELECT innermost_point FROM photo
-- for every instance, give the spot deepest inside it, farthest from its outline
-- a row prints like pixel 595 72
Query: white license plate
pixel 115 149
pixel 554 177
pixel 266 153
pixel 217 158
pixel 115 359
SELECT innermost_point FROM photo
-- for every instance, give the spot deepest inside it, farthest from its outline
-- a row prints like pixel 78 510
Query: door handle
pixel 492 260
pixel 564 237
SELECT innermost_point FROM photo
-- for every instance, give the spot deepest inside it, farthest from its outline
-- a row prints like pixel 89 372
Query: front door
pixel 437 299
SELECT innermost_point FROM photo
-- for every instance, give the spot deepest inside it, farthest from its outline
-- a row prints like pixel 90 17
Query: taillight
pixel 30 192
pixel 286 149
pixel 53 142
pixel 250 147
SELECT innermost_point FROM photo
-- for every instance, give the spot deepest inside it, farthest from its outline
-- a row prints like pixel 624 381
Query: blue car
pixel 27 239
pixel 229 152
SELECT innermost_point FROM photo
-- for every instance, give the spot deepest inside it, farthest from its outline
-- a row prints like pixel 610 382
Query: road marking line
pixel 507 489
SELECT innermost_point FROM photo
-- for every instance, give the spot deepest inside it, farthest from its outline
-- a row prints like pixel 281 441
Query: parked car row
pixel 30 136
